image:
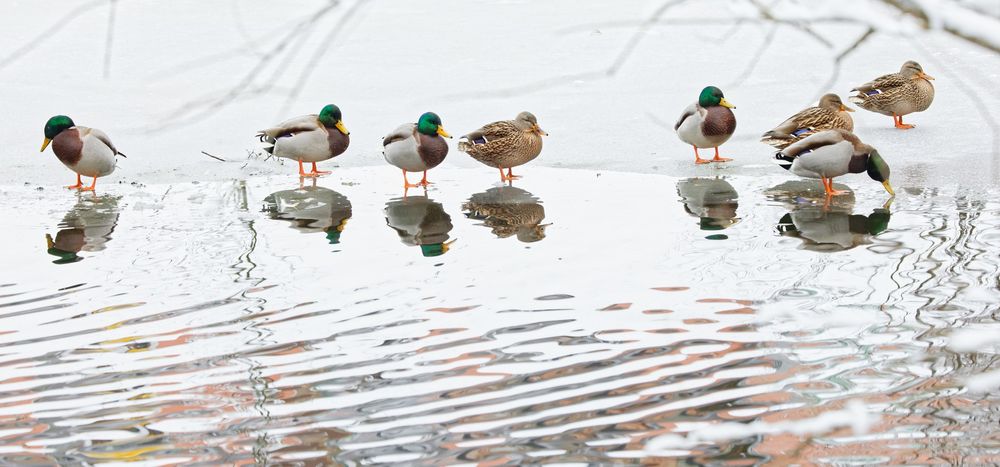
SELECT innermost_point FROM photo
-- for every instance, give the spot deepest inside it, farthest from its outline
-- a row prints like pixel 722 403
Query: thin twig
pixel 214 157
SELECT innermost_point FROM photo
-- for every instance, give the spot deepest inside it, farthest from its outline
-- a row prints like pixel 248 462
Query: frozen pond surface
pixel 233 322
pixel 198 311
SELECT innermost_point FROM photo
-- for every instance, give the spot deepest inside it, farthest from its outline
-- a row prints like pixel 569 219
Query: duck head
pixel 430 124
pixel 527 121
pixel 878 170
pixel 712 96
pixel 54 126
pixel 913 70
pixel 331 117
pixel 832 101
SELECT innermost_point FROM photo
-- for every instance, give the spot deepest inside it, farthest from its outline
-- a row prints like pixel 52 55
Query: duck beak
pixel 442 132
pixel 342 225
pixel 447 245
pixel 45 144
pixel 888 188
pixel 340 126
pixel 723 102
pixel 539 130
pixel 49 242
pixel 844 108
pixel 925 76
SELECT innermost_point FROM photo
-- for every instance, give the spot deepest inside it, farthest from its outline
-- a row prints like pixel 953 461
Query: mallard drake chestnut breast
pixel 708 123
pixel 309 138
pixel 831 113
pixel 897 94
pixel 505 144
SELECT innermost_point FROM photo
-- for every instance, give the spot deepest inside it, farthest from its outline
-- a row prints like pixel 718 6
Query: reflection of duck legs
pixel 87 226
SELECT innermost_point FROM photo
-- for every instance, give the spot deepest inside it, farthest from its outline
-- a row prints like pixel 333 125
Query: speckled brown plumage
pixel 505 144
pixel 828 115
pixel 897 93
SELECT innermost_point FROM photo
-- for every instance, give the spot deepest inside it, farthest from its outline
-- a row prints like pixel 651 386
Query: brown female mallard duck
pixel 897 94
pixel 505 144
pixel 830 114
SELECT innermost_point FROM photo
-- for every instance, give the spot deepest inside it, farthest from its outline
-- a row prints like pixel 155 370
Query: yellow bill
pixel 447 245
pixel 45 144
pixel 340 126
pixel 888 188
pixel 441 132
pixel 723 102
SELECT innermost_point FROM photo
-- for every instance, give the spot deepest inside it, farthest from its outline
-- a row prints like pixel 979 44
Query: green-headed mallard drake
pixel 417 147
pixel 309 138
pixel 830 114
pixel 505 144
pixel 707 123
pixel 86 151
pixel 420 221
pixel 897 94
pixel 833 153
pixel 508 211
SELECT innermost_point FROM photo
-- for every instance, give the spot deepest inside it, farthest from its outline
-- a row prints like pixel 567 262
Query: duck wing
pixel 881 85
pixel 101 136
pixel 290 127
pixel 401 133
pixel 488 134
pixel 690 111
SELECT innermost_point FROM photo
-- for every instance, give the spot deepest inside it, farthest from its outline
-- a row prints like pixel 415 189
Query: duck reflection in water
pixel 712 200
pixel 311 209
pixel 86 227
pixel 828 226
pixel 420 221
pixel 508 211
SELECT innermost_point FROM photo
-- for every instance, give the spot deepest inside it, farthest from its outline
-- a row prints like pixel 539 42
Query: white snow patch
pixel 974 338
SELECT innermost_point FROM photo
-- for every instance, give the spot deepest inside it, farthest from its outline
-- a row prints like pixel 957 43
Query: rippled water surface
pixel 572 317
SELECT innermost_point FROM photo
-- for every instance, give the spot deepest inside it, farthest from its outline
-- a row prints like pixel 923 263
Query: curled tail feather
pixel 268 142
pixel 783 160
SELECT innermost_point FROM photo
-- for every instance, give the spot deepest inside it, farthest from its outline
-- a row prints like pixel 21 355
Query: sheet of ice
pixel 606 82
